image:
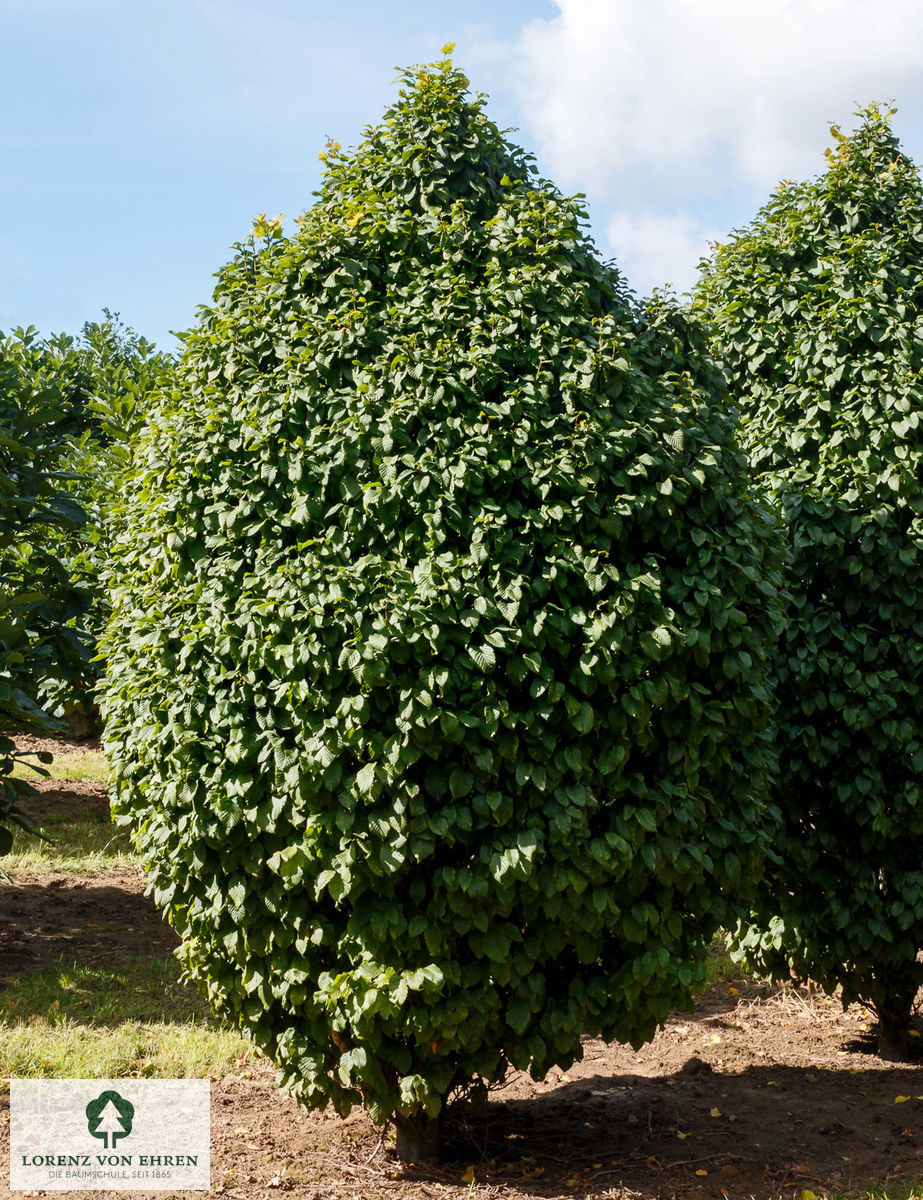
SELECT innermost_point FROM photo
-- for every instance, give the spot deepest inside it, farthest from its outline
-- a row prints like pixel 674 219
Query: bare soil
pixel 27 743
pixel 763 1092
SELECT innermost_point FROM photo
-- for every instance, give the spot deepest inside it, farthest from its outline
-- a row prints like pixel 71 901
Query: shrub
pixel 817 309
pixel 74 403
pixel 436 664
pixel 106 377
pixel 38 598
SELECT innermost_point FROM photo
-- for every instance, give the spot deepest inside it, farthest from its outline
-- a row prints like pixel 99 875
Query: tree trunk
pixel 417 1138
pixel 893 1040
pixel 894 1020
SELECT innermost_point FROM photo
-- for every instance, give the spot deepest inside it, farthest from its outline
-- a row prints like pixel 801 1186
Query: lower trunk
pixel 894 1013
pixel 893 1035
pixel 417 1138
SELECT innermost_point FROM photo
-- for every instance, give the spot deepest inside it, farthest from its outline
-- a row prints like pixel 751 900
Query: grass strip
pixel 77 766
pixel 96 1022
pixel 82 843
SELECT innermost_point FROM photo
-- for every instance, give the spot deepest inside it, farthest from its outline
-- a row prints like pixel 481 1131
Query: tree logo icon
pixel 109 1117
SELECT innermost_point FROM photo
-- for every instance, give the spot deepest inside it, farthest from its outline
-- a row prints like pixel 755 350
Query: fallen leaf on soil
pixel 715 1112
pixel 701 1171
pixel 901 1099
pixel 680 1134
pixel 807 1194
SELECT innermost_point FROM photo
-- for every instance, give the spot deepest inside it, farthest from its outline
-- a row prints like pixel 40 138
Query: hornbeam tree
pixel 39 599
pixel 441 610
pixel 817 310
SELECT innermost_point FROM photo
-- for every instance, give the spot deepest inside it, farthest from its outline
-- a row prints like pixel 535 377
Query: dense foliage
pixel 68 407
pixel 817 309
pixel 437 656
pixel 38 598
pixel 106 377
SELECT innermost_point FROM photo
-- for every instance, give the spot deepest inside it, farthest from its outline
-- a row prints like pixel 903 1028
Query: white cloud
pixel 698 108
pixel 683 85
pixel 654 250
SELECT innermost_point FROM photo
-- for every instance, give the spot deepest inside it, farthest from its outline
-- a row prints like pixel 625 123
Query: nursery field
pixel 762 1092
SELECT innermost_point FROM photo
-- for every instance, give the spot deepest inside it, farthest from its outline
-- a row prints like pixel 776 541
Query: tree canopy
pixel 436 692
pixel 816 309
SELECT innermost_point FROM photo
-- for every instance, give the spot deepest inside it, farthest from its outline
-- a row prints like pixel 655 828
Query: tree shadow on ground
pixel 762 1132
pixel 97 954
pixel 91 921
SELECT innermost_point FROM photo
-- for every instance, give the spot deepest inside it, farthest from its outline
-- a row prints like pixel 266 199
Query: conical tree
pixel 436 666
pixel 817 310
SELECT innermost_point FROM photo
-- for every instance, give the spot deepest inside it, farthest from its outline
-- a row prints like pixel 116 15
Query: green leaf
pixel 583 720
pixel 518 1015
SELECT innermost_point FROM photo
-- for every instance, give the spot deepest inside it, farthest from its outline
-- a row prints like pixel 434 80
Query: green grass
pixel 70 1050
pixel 97 1022
pixel 134 990
pixel 78 766
pixel 889 1190
pixel 83 843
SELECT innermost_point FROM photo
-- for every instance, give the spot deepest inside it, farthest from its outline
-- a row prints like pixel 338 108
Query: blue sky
pixel 139 140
